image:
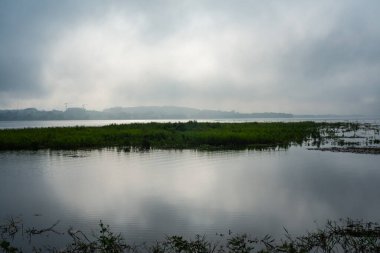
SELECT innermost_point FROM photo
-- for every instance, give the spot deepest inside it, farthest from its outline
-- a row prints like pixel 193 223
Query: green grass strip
pixel 189 135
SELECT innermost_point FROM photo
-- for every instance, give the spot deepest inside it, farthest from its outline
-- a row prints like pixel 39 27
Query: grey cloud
pixel 26 30
pixel 340 67
pixel 263 55
pixel 24 34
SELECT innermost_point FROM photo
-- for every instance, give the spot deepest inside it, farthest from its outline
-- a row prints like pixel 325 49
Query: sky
pixel 295 56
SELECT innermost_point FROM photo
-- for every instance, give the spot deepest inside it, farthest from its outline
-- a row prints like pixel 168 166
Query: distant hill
pixel 140 112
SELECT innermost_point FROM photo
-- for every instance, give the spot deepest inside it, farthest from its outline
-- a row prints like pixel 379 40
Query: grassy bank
pixel 162 136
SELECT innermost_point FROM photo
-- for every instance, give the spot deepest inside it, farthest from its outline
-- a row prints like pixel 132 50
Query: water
pixel 66 123
pixel 147 195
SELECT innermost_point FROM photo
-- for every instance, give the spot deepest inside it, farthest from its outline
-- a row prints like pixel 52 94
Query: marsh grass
pixel 164 136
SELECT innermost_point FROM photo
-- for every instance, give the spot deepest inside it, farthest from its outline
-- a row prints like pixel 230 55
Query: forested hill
pixel 142 112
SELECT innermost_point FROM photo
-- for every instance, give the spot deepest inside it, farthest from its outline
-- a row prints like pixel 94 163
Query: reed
pixel 336 236
pixel 189 135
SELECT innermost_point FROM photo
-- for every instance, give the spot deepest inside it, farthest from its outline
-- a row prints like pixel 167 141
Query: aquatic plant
pixel 191 135
pixel 162 136
pixel 336 236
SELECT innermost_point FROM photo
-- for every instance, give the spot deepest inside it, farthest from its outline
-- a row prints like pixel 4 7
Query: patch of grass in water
pixel 187 135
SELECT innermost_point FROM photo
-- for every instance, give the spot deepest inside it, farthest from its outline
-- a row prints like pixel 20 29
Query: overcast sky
pixel 303 56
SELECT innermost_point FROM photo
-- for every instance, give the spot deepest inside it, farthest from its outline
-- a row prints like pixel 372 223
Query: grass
pixel 189 135
pixel 341 236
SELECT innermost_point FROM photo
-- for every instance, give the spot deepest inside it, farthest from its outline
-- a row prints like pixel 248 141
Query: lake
pixel 147 195
pixel 68 123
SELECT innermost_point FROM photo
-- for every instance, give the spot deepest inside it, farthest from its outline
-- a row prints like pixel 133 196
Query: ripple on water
pixel 149 194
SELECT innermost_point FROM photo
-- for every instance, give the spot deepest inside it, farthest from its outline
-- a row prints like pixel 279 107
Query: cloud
pixel 300 57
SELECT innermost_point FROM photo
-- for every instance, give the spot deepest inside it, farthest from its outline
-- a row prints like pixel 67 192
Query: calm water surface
pixel 147 195
pixel 66 123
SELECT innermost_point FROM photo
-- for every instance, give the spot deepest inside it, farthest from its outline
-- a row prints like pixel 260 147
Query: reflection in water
pixel 149 194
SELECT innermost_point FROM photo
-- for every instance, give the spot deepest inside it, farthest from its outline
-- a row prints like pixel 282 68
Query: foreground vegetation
pixel 342 236
pixel 168 136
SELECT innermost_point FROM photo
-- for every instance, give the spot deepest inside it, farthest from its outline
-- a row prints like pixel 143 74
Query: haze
pixel 304 57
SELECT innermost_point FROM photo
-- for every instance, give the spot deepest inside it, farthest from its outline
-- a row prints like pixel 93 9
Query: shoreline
pixel 356 150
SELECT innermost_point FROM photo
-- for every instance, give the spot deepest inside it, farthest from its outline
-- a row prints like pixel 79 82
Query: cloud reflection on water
pixel 192 192
pixel 149 194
